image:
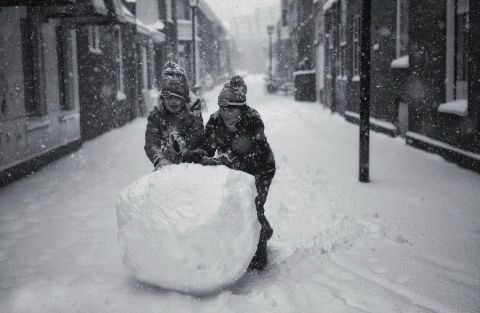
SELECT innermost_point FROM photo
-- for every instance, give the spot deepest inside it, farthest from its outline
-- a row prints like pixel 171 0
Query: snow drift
pixel 189 227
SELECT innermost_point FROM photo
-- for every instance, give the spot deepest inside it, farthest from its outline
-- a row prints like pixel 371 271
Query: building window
pixel 402 28
pixel 119 59
pixel 343 23
pixel 357 20
pixel 376 37
pixel 183 9
pixel 94 39
pixel 169 10
pixel 67 67
pixel 461 46
pixel 458 26
pixel 33 49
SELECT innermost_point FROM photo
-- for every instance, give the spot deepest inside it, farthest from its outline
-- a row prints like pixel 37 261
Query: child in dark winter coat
pixel 236 133
pixel 174 131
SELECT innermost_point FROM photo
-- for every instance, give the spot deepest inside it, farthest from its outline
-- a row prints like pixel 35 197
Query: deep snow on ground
pixel 409 241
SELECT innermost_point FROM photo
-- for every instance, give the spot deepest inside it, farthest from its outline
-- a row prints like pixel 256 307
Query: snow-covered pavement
pixel 409 241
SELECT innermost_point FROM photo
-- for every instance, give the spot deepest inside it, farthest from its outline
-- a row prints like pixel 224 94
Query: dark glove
pixel 159 162
pixel 194 156
pixel 209 161
pixel 229 161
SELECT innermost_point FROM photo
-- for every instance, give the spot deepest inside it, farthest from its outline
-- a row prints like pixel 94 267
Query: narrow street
pixel 409 241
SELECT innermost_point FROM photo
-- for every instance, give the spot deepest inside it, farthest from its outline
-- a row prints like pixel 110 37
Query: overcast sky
pixel 225 9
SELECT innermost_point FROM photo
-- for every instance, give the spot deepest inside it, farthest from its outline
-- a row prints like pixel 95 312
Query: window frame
pixel 451 75
pixel 94 39
pixel 401 28
pixel 119 61
pixel 357 22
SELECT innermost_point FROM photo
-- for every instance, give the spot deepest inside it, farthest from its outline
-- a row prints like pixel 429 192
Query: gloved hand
pixel 160 161
pixel 230 161
pixel 194 156
pixel 209 161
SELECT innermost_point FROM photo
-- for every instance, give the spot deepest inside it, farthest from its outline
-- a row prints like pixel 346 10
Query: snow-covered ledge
pixel 457 107
pixel 442 145
pixel 401 62
pixel 37 123
pixel 329 4
pixel 379 123
pixel 304 72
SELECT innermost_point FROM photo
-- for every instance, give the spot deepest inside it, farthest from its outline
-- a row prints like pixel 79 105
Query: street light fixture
pixel 193 5
pixel 270 29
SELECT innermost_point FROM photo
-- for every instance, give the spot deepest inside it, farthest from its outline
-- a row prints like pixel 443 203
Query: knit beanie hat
pixel 174 80
pixel 234 92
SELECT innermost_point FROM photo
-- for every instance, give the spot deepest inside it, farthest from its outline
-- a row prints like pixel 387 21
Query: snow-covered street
pixel 409 241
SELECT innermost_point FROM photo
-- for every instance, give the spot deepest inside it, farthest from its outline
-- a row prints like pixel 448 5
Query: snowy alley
pixel 409 241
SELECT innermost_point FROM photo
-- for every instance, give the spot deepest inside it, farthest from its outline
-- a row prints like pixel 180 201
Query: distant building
pixel 298 40
pixel 249 32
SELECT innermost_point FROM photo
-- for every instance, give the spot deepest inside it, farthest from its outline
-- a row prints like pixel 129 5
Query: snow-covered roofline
pixel 203 6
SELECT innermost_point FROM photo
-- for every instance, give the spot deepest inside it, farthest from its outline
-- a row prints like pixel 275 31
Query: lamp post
pixel 364 153
pixel 193 5
pixel 270 32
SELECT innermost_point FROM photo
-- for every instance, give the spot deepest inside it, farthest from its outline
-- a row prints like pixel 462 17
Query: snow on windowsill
pixel 356 78
pixel 373 121
pixel 121 96
pixel 303 72
pixel 68 116
pixel 155 27
pixel 401 62
pixel 441 144
pixel 457 107
pixel 34 123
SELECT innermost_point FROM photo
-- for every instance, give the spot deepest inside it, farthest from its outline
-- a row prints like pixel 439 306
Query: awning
pixel 91 12
pixel 153 30
pixel 32 3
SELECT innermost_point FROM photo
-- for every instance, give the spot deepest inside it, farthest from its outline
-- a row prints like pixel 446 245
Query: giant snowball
pixel 189 227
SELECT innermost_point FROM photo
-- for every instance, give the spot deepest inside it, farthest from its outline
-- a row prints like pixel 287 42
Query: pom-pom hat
pixel 234 92
pixel 174 81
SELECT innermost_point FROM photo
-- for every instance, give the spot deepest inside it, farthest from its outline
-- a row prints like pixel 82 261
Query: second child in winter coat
pixel 174 131
pixel 236 133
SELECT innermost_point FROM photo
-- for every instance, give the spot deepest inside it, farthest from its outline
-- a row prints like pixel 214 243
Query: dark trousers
pixel 262 182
